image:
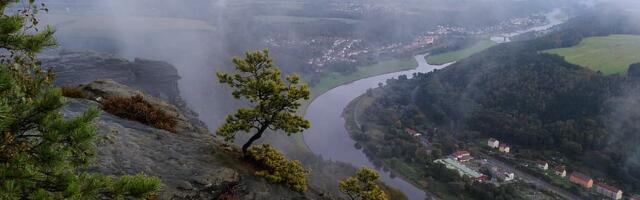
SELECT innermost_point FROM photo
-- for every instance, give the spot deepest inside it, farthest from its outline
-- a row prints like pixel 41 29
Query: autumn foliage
pixel 138 109
pixel 73 92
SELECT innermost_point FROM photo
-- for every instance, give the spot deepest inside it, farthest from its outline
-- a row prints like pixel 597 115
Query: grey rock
pixel 184 185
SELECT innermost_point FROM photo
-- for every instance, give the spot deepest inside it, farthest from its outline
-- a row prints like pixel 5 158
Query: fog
pixel 200 36
pixel 314 38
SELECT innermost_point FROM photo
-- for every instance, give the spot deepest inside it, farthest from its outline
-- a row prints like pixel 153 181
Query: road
pixel 531 179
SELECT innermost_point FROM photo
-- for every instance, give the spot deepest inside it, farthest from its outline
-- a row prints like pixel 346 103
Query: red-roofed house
pixel 560 170
pixel 581 179
pixel 460 154
pixel 609 191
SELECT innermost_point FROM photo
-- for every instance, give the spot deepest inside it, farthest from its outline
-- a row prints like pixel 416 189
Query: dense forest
pixel 533 100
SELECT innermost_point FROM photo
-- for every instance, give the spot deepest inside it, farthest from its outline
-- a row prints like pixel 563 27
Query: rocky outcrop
pixel 103 89
pixel 157 78
pixel 192 163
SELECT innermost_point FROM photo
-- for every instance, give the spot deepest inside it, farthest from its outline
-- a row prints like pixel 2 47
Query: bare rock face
pixel 157 78
pixel 191 165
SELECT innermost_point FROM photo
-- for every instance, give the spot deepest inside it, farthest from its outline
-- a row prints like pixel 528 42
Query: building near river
pixel 560 170
pixel 462 156
pixel 608 191
pixel 493 143
pixel 504 148
pixel 462 169
pixel 543 165
pixel 581 179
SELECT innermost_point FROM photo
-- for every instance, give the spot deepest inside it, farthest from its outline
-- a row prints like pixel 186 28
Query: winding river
pixel 328 136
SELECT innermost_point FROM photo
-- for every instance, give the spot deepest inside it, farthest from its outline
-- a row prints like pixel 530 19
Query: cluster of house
pixel 583 180
pixel 493 143
pixel 455 162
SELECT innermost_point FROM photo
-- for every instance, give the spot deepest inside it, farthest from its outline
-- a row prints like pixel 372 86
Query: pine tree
pixel 275 101
pixel 363 186
pixel 42 155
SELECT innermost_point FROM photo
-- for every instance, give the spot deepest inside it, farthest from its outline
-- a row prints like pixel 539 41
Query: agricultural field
pixel 448 57
pixel 610 55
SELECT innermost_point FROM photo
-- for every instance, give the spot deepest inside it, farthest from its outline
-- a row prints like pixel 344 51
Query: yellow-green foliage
pixel 135 186
pixel 363 186
pixel 274 101
pixel 277 169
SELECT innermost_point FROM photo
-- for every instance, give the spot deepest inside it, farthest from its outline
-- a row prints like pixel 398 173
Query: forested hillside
pixel 536 101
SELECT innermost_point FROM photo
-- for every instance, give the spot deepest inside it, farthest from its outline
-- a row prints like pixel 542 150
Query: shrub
pixel 363 186
pixel 73 92
pixel 138 109
pixel 277 169
pixel 136 186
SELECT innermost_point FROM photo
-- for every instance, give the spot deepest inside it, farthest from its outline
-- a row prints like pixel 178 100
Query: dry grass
pixel 73 92
pixel 138 109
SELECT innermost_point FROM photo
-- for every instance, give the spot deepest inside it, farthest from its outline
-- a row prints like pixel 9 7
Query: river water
pixel 328 136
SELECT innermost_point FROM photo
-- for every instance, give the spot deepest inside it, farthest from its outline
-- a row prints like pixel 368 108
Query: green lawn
pixel 610 55
pixel 448 57
pixel 337 79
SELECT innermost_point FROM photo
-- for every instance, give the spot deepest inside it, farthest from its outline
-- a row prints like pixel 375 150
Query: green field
pixel 448 57
pixel 609 55
pixel 337 79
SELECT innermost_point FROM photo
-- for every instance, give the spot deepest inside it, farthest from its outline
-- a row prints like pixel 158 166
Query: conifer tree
pixel 363 186
pixel 42 155
pixel 274 101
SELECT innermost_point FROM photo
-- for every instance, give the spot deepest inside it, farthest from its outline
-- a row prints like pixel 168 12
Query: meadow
pixel 610 55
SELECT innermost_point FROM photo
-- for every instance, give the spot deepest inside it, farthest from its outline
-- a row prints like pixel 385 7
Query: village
pixel 486 168
pixel 333 50
pixel 465 164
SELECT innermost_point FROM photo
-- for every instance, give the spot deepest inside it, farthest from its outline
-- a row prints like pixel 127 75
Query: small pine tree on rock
pixel 274 101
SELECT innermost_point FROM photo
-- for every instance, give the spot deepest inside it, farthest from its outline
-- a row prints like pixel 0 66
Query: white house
pixel 493 143
pixel 609 191
pixel 542 164
pixel 560 170
pixel 504 148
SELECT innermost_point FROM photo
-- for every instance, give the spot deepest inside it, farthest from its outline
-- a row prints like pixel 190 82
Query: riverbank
pixel 384 67
pixel 336 79
pixel 354 127
pixel 452 56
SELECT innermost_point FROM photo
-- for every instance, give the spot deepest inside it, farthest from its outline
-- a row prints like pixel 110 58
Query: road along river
pixel 328 136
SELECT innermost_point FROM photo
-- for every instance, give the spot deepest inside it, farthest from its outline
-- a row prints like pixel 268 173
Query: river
pixel 328 136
